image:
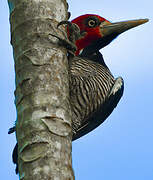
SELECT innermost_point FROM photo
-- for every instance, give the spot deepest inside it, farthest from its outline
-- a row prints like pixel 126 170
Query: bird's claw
pixel 71 48
pixel 63 23
pixel 73 31
pixel 73 35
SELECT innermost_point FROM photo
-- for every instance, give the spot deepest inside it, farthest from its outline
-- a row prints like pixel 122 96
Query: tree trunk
pixel 43 126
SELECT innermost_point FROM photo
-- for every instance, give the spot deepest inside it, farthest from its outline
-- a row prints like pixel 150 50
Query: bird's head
pixel 99 32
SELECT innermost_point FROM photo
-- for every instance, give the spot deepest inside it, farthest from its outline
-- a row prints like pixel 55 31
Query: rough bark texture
pixel 43 126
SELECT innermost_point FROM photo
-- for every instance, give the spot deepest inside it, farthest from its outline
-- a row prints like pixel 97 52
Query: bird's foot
pixel 71 48
pixel 73 31
pixel 73 34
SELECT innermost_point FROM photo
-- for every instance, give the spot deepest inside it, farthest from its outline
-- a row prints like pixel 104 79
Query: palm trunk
pixel 43 126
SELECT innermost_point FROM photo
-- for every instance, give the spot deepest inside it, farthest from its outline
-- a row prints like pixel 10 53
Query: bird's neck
pixel 95 57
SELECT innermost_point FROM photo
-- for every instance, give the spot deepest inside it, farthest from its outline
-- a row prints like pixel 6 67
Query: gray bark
pixel 43 126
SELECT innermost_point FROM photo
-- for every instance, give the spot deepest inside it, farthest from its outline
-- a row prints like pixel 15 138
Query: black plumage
pixel 94 93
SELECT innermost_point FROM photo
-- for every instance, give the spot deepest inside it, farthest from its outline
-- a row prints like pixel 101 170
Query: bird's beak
pixel 107 28
pixel 110 31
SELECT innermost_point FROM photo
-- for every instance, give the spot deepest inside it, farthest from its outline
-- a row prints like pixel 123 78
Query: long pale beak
pixel 117 28
pixel 110 31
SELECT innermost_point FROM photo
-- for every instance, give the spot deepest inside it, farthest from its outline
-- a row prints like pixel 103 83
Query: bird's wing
pixel 103 112
pixel 92 98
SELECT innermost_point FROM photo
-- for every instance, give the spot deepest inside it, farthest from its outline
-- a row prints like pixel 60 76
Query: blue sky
pixel 122 147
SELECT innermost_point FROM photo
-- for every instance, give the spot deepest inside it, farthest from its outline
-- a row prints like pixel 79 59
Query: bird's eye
pixel 91 23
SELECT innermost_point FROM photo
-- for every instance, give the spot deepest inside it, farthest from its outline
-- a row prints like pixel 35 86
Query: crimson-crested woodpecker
pixel 94 92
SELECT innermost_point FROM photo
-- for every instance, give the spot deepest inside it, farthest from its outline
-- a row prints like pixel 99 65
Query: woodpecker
pixel 94 92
